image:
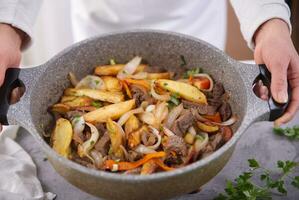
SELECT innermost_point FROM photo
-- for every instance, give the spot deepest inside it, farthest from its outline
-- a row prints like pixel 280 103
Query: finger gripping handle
pixel 276 109
pixel 11 81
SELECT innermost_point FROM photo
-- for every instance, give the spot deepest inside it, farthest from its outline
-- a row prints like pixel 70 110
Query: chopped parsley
pixel 193 71
pixel 96 104
pixel 97 82
pixel 291 133
pixel 112 61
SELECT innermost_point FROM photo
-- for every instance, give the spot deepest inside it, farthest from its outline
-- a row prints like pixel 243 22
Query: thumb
pixel 279 83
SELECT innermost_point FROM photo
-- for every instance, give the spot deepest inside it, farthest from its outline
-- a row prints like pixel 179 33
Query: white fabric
pixel 18 172
pixel 204 19
pixel 20 14
pixel 253 13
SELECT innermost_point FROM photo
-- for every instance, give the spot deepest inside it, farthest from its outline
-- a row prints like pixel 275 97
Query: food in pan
pixel 127 118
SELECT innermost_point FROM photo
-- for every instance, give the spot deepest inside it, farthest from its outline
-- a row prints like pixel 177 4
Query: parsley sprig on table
pixel 244 188
pixel 291 133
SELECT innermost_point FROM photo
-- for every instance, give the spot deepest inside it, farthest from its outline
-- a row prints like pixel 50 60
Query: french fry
pixel 185 90
pixel 112 83
pixel 74 101
pixel 115 137
pixel 113 97
pixel 143 83
pixel 113 111
pixel 163 75
pixel 60 108
pixel 132 124
pixel 62 137
pixel 112 70
pixel 134 138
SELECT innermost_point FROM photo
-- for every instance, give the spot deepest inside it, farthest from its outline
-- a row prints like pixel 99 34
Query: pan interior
pixel 156 48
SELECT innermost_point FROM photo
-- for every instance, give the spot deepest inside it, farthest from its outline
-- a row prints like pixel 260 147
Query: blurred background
pixel 53 32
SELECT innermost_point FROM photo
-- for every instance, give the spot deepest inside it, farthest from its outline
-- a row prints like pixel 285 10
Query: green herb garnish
pixel 91 142
pixel 96 104
pixel 97 82
pixel 291 133
pixel 174 98
pixel 193 71
pixel 112 61
pixel 244 188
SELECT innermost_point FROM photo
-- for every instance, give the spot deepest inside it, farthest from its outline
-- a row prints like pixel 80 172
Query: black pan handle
pixel 11 82
pixel 276 109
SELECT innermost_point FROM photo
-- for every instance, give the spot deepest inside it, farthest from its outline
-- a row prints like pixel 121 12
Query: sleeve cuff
pixel 20 14
pixel 267 12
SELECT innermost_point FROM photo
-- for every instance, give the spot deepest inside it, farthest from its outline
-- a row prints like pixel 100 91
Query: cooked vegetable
pixel 134 137
pixel 143 83
pixel 92 82
pixel 203 82
pixel 112 70
pixel 83 150
pixel 129 68
pixel 73 79
pixel 185 90
pixel 207 128
pixel 131 119
pixel 149 167
pixel 116 136
pixel 112 84
pixel 60 108
pixel 113 97
pixel 132 124
pixel 121 166
pixel 73 101
pixel 164 75
pixel 62 137
pixel 113 111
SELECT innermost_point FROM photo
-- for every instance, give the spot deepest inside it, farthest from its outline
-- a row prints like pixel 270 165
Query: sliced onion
pixel 129 68
pixel 122 120
pixel 164 97
pixel 173 115
pixel 78 125
pixel 148 118
pixel 229 122
pixel 143 149
pixel 161 112
pixel 150 108
pixel 74 81
pixel 97 158
pixel 125 152
pixel 83 150
pixel 158 136
pixel 208 77
pixel 168 132
pixel 199 145
pixel 192 131
pixel 91 81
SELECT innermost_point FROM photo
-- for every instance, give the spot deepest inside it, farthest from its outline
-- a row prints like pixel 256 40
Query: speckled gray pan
pixel 46 83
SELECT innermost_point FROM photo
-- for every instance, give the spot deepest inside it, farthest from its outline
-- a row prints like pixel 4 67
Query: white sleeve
pixel 253 13
pixel 20 14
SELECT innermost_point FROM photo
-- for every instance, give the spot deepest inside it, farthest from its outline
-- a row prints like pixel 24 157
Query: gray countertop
pixel 257 142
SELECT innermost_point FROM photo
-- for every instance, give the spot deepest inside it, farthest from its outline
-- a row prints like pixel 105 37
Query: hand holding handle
pixel 11 82
pixel 276 109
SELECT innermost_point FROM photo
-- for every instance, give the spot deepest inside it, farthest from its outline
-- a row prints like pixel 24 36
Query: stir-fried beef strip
pixel 140 94
pixel 201 108
pixel 176 149
pixel 182 124
pixel 103 144
pixel 225 111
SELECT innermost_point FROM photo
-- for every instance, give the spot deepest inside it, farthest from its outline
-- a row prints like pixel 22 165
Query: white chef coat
pixel 204 19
